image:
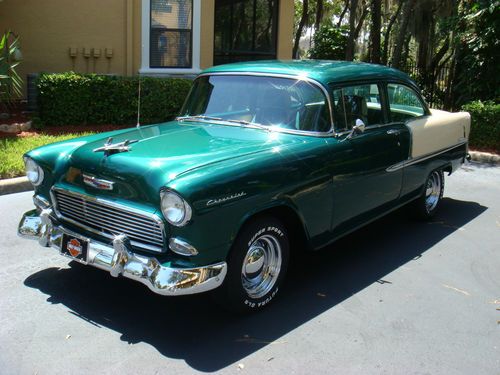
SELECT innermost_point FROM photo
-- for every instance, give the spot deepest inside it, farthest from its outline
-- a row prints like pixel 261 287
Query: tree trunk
pixel 349 50
pixel 302 23
pixel 376 7
pixel 425 37
pixel 319 14
pixel 406 49
pixel 400 40
pixel 360 23
pixel 439 55
pixel 354 30
pixel 341 17
pixel 387 34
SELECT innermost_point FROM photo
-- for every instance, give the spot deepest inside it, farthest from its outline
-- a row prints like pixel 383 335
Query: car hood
pixel 162 153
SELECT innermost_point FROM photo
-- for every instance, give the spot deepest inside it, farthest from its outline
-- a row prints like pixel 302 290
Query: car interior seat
pixel 353 107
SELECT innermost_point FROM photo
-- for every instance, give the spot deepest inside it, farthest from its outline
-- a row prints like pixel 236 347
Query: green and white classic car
pixel 265 159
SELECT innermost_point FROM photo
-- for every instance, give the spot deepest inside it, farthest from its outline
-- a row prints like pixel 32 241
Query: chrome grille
pixel 109 219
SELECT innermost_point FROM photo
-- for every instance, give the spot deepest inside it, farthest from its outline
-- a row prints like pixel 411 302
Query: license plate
pixel 74 247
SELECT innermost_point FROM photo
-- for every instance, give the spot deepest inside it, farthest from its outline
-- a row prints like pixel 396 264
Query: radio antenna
pixel 139 104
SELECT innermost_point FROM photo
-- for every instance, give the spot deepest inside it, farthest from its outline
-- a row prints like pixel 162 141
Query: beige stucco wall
pixel 285 29
pixel 207 33
pixel 49 28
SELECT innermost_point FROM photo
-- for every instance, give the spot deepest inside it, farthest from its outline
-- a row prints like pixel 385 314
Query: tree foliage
pixel 477 45
pixel 451 47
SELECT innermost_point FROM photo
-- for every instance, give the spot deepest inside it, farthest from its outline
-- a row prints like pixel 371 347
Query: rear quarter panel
pixel 438 131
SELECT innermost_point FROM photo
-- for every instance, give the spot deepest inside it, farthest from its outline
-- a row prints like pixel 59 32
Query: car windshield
pixel 259 101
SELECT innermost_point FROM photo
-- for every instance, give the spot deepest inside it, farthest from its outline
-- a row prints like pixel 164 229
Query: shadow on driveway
pixel 193 328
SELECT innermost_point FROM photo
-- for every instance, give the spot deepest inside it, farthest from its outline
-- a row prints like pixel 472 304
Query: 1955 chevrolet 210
pixel 264 157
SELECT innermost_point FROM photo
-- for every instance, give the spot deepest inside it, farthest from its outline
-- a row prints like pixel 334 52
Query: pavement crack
pixel 456 289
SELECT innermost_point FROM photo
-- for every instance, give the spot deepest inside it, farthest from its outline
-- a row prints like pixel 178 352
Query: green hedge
pixel 485 126
pixel 74 99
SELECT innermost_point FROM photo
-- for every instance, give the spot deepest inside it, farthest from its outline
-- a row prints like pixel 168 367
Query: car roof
pixel 323 71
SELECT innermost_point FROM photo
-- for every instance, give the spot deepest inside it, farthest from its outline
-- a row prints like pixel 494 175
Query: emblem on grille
pixel 97 183
pixel 74 247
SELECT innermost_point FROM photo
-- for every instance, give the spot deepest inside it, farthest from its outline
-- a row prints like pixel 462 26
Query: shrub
pixel 73 99
pixel 329 43
pixel 485 126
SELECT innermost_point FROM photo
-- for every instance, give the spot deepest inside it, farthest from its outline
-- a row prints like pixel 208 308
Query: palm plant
pixel 10 81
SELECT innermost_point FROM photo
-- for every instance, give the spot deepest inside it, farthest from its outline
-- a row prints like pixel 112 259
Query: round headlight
pixel 175 209
pixel 33 171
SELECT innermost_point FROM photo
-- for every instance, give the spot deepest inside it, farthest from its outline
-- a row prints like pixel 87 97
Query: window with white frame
pixel 170 36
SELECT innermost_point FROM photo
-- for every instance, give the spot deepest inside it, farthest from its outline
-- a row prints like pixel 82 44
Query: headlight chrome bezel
pixel 33 169
pixel 187 211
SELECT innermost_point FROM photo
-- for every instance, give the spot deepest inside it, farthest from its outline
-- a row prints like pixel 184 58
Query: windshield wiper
pixel 248 123
pixel 198 117
pixel 211 118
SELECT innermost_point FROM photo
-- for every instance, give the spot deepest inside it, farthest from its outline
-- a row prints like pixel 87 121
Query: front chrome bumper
pixel 118 259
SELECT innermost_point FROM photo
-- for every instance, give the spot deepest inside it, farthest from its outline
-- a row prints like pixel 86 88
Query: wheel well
pixel 296 231
pixel 448 169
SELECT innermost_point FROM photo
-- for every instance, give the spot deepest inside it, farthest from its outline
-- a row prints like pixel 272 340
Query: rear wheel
pixel 426 205
pixel 257 266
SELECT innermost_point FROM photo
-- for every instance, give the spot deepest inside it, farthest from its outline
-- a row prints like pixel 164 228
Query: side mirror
pixel 358 128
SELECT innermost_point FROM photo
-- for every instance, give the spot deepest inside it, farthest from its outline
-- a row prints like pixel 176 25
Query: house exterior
pixel 149 37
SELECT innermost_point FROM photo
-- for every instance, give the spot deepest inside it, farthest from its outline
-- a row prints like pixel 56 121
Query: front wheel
pixel 426 205
pixel 257 266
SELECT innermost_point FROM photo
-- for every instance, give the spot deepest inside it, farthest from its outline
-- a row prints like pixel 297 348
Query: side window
pixel 404 103
pixel 353 103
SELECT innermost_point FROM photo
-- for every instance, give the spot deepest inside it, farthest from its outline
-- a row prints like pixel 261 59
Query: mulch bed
pixel 58 130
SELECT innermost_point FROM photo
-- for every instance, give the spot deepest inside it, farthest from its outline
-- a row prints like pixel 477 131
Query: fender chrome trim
pixel 419 159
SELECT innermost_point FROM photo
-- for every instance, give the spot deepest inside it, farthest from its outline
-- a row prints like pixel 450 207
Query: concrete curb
pixel 484 157
pixel 15 185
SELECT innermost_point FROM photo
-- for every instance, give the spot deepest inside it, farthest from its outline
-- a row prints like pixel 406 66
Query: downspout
pixel 129 4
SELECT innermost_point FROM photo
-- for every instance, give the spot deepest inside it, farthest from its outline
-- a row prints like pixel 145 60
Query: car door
pixel 366 187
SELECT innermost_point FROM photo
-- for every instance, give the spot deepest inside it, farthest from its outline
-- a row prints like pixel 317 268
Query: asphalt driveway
pixel 397 297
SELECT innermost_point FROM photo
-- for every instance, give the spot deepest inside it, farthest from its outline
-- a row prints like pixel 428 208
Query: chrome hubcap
pixel 261 266
pixel 432 191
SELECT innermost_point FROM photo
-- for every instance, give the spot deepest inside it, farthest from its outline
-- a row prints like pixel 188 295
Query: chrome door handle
pixel 393 131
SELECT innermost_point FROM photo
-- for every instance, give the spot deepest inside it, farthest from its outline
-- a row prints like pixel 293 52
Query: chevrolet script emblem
pixel 97 183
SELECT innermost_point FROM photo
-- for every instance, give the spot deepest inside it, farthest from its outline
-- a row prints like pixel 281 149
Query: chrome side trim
pixel 120 260
pixel 329 133
pixel 412 161
pixel 104 202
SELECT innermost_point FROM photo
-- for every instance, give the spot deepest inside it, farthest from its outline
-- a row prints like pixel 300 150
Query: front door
pixel 366 188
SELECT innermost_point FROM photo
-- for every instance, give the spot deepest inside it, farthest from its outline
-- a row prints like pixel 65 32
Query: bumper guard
pixel 119 259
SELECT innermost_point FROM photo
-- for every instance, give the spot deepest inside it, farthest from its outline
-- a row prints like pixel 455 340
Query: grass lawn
pixel 12 150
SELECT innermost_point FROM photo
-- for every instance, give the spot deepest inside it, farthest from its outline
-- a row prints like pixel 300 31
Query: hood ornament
pixel 110 148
